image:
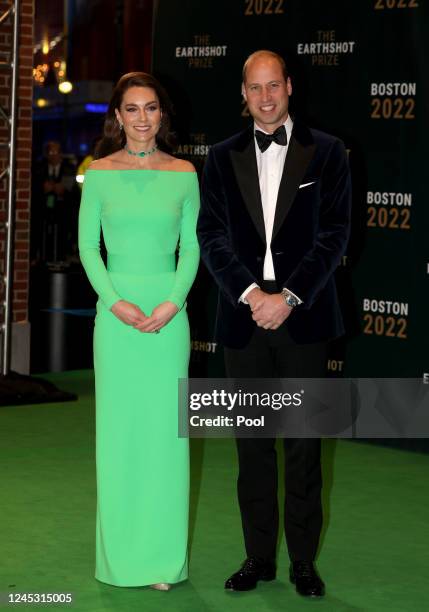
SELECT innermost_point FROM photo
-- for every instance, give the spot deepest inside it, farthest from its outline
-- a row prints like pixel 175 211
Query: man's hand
pixel 128 313
pixel 255 297
pixel 269 311
pixel 161 315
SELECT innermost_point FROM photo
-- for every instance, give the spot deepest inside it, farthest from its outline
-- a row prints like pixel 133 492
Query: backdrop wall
pixel 358 72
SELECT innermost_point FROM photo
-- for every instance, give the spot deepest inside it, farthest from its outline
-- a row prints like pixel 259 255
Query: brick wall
pixel 23 151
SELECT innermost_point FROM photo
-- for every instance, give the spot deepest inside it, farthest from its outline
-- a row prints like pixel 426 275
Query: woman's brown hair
pixel 113 137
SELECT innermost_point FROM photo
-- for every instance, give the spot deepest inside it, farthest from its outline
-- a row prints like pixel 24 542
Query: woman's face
pixel 140 115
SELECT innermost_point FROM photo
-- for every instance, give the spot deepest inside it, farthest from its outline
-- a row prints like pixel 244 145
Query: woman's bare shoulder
pixel 179 165
pixel 110 162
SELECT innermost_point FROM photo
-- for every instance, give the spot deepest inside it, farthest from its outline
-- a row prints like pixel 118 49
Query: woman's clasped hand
pixel 131 314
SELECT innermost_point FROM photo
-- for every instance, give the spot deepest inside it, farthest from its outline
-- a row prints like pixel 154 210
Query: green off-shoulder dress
pixel 142 464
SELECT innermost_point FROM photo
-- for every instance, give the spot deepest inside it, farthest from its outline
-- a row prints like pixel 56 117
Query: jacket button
pixel 259 258
pixel 279 253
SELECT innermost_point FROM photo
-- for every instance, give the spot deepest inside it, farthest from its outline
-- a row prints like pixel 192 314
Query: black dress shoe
pixel 251 571
pixel 306 580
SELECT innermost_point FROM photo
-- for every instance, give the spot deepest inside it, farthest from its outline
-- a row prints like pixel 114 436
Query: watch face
pixel 291 301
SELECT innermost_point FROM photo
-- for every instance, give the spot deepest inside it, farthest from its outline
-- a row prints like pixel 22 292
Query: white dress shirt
pixel 54 171
pixel 270 169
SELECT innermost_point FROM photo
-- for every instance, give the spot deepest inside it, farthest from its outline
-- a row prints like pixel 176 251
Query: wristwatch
pixel 290 299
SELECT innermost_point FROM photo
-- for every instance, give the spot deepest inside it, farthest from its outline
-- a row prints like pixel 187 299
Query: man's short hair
pixel 268 53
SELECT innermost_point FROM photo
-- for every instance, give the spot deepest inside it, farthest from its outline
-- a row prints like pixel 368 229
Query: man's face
pixel 54 153
pixel 267 93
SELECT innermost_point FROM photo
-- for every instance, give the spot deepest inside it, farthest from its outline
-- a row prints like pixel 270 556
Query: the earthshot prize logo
pixel 203 346
pixel 196 149
pixel 202 53
pixel 326 50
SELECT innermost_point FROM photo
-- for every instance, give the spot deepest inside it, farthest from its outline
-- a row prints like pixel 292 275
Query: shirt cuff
pixel 294 295
pixel 242 297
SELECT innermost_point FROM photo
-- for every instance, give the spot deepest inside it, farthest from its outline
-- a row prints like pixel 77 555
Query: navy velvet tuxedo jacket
pixel 310 234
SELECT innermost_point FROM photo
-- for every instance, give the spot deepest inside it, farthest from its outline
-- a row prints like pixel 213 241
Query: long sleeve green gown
pixel 142 465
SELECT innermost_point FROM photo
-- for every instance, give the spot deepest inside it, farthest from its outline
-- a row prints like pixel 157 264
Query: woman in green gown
pixel 146 203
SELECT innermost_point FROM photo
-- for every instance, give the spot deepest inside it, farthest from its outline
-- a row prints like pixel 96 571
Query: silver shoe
pixel 161 586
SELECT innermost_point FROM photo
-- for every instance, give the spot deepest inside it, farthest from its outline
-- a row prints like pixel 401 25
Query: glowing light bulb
pixel 65 87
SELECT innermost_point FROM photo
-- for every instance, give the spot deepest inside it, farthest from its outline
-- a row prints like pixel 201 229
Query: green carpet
pixel 375 548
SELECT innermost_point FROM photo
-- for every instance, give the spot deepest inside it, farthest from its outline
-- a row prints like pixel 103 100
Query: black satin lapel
pixel 297 159
pixel 246 172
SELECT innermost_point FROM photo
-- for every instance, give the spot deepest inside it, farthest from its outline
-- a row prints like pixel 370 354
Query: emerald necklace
pixel 141 153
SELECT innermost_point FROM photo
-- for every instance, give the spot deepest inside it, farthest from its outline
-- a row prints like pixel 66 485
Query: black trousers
pixel 274 354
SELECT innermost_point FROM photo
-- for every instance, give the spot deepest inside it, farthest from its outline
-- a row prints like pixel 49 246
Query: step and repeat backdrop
pixel 359 71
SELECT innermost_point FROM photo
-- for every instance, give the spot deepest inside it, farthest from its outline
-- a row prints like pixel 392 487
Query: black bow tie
pixel 264 140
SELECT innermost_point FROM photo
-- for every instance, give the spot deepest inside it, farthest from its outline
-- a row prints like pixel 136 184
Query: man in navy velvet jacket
pixel 273 226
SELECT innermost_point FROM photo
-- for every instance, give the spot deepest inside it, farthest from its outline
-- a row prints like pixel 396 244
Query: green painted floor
pixel 374 554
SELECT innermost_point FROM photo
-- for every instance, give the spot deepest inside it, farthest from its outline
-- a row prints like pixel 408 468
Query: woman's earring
pixel 121 126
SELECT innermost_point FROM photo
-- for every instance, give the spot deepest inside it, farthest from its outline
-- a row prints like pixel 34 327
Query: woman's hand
pixel 161 315
pixel 128 313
